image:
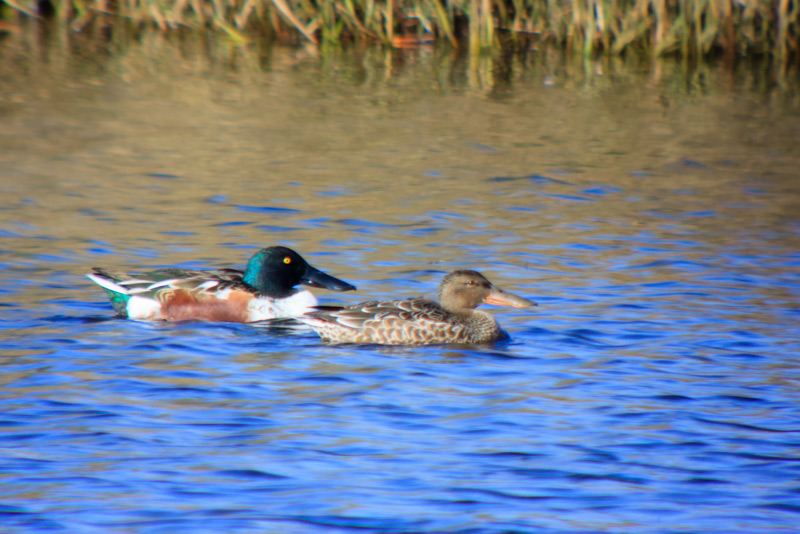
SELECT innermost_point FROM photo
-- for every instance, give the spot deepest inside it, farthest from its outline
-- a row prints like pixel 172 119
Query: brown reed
pixel 690 28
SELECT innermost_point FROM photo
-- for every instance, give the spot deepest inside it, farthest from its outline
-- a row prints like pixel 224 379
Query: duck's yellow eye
pixel 287 260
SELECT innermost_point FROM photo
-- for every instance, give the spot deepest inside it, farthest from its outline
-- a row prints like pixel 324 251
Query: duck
pixel 451 318
pixel 264 290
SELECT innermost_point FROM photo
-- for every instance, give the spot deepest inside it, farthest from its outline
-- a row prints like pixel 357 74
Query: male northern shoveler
pixel 265 290
pixel 417 321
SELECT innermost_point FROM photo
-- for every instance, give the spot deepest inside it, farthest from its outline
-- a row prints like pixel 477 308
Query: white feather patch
pixel 163 283
pixel 144 308
pixel 105 283
pixel 263 308
pixel 208 285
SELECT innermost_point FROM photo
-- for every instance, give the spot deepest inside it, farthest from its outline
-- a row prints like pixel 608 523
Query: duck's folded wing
pixel 376 312
pixel 166 279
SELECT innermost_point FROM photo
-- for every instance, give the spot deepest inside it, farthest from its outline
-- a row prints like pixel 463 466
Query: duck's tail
pixel 118 294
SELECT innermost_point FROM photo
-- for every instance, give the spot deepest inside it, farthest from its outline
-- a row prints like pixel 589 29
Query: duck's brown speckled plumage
pixel 417 321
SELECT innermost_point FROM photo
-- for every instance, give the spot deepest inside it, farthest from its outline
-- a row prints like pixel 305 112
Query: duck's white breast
pixel 260 309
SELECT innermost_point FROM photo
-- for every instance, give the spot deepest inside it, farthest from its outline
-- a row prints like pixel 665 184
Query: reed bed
pixel 689 28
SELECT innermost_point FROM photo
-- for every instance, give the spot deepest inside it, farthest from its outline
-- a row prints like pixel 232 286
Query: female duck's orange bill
pixel 498 297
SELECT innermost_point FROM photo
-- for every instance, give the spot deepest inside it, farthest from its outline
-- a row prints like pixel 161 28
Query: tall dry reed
pixel 690 28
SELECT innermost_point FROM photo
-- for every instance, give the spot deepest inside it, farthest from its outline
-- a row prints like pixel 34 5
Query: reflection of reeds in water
pixel 692 28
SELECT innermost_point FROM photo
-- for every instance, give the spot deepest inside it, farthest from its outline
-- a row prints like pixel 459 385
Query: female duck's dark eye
pixel 287 260
pixel 469 283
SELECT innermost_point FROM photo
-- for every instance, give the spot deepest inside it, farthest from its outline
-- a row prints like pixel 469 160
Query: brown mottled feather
pixel 417 321
pixel 408 321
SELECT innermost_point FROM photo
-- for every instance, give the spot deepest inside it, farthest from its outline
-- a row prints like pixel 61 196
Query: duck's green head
pixel 275 271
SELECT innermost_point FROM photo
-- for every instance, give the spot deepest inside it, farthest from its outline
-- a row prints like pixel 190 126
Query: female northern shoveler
pixel 418 321
pixel 265 290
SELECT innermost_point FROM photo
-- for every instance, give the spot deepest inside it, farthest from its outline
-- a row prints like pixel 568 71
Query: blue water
pixel 655 389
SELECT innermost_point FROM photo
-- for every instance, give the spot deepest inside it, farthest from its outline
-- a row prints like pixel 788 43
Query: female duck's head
pixel 460 292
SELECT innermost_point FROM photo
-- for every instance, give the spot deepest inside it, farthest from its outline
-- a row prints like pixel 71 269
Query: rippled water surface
pixel 653 217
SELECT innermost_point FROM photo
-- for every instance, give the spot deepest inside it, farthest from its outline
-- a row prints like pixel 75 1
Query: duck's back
pixel 413 321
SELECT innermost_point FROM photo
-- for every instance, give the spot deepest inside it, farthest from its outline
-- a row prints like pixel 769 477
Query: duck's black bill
pixel 315 278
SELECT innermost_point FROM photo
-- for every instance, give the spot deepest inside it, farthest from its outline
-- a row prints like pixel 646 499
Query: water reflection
pixel 653 217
